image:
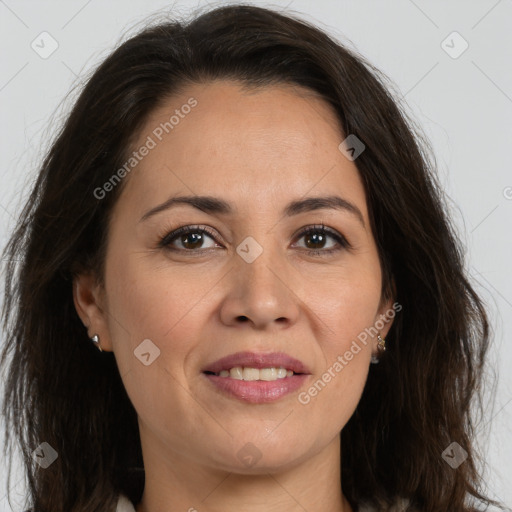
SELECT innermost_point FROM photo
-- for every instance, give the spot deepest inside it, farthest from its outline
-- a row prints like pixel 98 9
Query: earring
pixel 381 347
pixel 96 340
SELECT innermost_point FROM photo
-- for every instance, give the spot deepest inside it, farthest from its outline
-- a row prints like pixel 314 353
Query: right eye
pixel 190 237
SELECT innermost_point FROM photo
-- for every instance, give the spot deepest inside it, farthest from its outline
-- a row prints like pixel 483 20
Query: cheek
pixel 348 308
pixel 348 303
pixel 148 304
pixel 338 383
pixel 150 301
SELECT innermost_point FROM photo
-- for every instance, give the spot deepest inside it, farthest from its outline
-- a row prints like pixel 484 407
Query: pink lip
pixel 257 391
pixel 254 360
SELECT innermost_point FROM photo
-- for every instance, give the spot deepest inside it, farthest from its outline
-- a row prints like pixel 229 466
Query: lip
pixel 257 391
pixel 257 360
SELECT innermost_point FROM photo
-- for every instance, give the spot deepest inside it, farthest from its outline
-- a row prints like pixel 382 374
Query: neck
pixel 181 485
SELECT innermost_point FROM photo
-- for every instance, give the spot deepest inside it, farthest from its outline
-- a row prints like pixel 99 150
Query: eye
pixel 190 237
pixel 316 237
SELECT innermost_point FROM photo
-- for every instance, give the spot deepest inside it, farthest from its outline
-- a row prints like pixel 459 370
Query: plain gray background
pixel 461 99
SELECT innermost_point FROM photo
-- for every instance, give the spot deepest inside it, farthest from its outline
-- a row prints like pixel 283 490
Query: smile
pixel 252 374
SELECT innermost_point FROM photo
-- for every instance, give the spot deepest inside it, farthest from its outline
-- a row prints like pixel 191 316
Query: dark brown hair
pixel 61 390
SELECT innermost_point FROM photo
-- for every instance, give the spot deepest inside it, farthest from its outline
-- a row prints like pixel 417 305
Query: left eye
pixel 192 238
pixel 318 235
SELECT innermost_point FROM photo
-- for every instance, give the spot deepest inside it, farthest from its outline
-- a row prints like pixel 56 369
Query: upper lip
pixel 257 360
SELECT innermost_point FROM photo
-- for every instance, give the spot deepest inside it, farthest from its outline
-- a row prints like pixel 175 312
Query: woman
pixel 239 217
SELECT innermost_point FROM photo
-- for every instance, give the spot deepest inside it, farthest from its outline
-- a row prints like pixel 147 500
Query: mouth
pixel 257 378
pixel 257 366
pixel 252 374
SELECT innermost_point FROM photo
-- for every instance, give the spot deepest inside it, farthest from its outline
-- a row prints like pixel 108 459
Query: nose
pixel 260 293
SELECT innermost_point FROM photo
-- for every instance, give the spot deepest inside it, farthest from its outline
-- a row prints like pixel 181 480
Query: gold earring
pixel 381 347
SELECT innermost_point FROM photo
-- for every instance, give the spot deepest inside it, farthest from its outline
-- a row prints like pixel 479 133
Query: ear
pixel 89 299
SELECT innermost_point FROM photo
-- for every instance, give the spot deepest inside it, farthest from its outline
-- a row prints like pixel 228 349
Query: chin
pixel 259 455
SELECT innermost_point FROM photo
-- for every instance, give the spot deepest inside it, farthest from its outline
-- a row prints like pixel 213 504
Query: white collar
pixel 124 504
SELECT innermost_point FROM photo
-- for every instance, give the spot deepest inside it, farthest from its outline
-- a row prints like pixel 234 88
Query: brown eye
pixel 317 236
pixel 317 240
pixel 191 239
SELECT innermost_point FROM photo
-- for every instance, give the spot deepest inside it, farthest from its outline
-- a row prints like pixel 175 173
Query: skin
pixel 259 150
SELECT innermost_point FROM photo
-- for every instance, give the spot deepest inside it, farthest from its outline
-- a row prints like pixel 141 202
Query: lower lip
pixel 257 391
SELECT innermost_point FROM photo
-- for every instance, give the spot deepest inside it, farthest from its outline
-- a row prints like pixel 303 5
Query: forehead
pixel 252 147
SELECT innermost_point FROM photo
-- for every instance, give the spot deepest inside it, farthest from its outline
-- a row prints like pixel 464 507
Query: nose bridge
pixel 259 261
pixel 262 294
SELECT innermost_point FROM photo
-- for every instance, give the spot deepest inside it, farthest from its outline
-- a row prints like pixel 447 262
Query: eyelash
pixel 165 242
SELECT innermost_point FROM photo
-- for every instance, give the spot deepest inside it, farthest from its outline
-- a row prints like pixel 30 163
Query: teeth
pixel 236 373
pixel 282 373
pixel 249 374
pixel 268 374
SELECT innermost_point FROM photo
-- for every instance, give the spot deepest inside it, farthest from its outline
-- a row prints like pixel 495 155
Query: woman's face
pixel 253 283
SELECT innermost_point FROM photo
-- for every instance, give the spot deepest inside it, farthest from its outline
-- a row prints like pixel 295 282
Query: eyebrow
pixel 214 205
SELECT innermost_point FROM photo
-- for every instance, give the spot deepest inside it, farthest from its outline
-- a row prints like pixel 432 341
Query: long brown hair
pixel 60 390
